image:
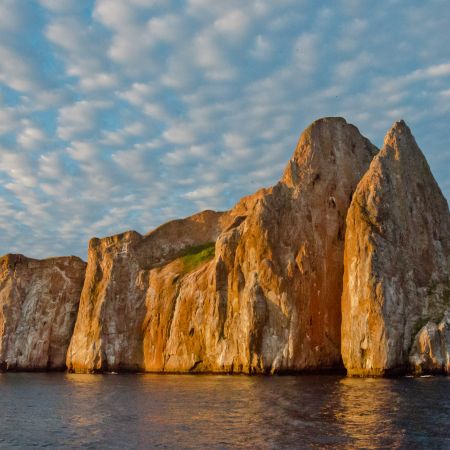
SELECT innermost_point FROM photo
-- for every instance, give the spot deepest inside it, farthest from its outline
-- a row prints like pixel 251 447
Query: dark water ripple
pixel 221 412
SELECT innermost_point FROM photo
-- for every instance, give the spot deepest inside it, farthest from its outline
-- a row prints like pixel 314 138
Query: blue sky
pixel 123 114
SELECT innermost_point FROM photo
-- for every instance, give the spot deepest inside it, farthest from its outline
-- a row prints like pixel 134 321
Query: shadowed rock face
pixel 38 306
pixel 263 296
pixel 397 258
pixel 431 350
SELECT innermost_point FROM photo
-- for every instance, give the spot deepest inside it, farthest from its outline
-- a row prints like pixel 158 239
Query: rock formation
pixel 38 306
pixel 109 330
pixel 431 350
pixel 397 260
pixel 255 289
pixel 345 261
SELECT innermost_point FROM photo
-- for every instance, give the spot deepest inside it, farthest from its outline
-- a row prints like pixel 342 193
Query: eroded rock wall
pixel 267 298
pixel 430 352
pixel 38 307
pixel 109 330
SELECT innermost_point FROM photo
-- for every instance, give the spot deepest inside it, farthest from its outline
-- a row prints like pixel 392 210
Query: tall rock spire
pixel 397 258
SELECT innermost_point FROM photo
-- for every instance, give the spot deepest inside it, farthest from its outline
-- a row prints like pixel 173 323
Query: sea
pixel 125 411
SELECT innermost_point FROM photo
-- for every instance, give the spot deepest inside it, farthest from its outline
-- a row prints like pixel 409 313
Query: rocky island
pixel 344 263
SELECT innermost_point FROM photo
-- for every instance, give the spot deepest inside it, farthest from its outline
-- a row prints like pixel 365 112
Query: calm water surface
pixel 176 411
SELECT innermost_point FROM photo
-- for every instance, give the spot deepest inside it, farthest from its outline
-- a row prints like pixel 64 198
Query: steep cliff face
pixel 109 329
pixel 38 306
pixel 397 258
pixel 255 289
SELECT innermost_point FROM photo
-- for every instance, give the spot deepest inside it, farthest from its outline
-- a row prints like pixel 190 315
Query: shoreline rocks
pixel 344 262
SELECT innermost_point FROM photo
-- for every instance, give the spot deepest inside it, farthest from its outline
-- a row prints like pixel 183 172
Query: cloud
pixel 50 166
pixel 180 133
pixel 19 169
pixel 233 25
pixel 31 136
pixel 121 115
pixel 438 70
pixel 79 118
pixel 210 57
pixel 15 71
pixel 82 49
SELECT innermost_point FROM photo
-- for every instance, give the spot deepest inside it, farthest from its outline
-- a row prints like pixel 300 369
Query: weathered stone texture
pixel 431 350
pixel 397 258
pixel 38 307
pixel 267 298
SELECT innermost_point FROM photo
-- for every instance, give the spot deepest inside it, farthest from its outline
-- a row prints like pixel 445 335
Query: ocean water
pixel 45 410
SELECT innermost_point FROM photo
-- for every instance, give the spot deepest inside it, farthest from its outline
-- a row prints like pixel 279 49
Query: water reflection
pixel 167 411
pixel 366 411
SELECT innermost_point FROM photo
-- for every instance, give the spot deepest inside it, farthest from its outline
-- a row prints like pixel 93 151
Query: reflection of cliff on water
pixel 393 413
pixel 201 411
pixel 366 410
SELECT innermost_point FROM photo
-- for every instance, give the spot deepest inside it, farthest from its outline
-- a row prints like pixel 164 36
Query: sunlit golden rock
pixel 255 289
pixel 397 258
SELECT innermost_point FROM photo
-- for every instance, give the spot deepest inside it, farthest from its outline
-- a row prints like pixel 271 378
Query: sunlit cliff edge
pixel 345 262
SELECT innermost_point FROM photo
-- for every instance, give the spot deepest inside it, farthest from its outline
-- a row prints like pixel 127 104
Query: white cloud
pixel 79 118
pixel 31 136
pixel 98 81
pixel 83 51
pixel 205 192
pixel 438 70
pixel 209 56
pixel 119 137
pixel 134 163
pixel 83 151
pixel 138 93
pixel 16 72
pixel 50 166
pixel 19 168
pixel 233 25
pixel 179 133
pixel 163 29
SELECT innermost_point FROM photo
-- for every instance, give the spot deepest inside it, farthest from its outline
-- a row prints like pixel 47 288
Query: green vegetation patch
pixel 193 257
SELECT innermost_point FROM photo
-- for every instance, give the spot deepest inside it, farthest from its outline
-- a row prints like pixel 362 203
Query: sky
pixel 124 114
